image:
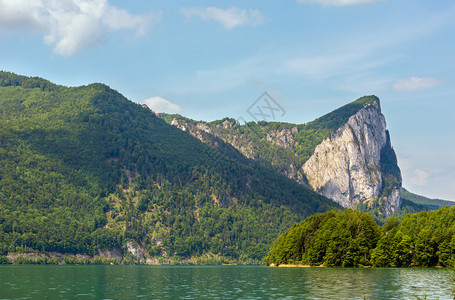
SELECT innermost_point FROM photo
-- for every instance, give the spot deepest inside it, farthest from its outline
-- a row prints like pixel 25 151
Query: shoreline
pixel 56 258
pixel 294 266
pixel 361 267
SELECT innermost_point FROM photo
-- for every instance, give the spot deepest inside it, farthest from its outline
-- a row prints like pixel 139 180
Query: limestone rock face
pixel 346 168
pixel 135 249
pixel 354 165
pixel 283 138
pixel 393 202
pixel 176 123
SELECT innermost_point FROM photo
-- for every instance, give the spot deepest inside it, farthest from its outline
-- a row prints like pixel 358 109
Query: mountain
pixel 427 203
pixel 84 170
pixel 345 155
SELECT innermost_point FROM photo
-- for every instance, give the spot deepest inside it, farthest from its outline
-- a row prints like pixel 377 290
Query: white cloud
pixel 420 177
pixel 229 18
pixel 415 84
pixel 71 25
pixel 160 104
pixel 338 2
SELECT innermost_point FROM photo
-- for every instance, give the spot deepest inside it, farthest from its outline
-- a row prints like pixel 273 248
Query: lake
pixel 220 282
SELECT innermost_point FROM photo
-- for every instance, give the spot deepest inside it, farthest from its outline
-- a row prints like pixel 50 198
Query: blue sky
pixel 211 59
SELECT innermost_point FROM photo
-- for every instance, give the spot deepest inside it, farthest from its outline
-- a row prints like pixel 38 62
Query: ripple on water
pixel 223 282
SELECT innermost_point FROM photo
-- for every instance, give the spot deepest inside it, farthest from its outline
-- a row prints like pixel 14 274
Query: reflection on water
pixel 220 282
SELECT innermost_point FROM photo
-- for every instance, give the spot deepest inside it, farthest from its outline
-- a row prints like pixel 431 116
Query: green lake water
pixel 220 282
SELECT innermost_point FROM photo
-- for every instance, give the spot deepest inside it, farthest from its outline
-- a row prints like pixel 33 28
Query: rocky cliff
pixel 345 155
pixel 346 167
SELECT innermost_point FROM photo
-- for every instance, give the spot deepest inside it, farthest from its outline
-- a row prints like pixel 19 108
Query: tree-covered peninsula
pixel 352 239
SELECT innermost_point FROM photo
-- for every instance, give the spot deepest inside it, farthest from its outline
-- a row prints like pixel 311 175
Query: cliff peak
pixel 366 101
pixel 354 165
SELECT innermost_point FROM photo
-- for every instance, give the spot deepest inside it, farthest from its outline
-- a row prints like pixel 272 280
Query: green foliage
pixel 84 169
pixel 53 259
pixel 10 79
pixel 4 260
pixel 169 117
pixel 423 239
pixel 334 238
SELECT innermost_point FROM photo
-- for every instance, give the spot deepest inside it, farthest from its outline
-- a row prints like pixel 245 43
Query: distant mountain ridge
pixel 430 204
pixel 345 155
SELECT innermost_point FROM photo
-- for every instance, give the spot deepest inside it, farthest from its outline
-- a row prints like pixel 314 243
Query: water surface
pixel 220 282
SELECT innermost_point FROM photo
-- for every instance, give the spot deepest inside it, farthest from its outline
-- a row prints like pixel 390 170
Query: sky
pixel 213 59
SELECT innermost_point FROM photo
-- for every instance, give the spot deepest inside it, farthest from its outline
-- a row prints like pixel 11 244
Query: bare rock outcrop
pixel 346 167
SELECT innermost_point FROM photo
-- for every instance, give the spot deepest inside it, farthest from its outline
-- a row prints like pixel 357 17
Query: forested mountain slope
pixel 429 204
pixel 84 169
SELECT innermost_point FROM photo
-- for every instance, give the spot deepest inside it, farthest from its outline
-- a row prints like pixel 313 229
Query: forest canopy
pixel 351 239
